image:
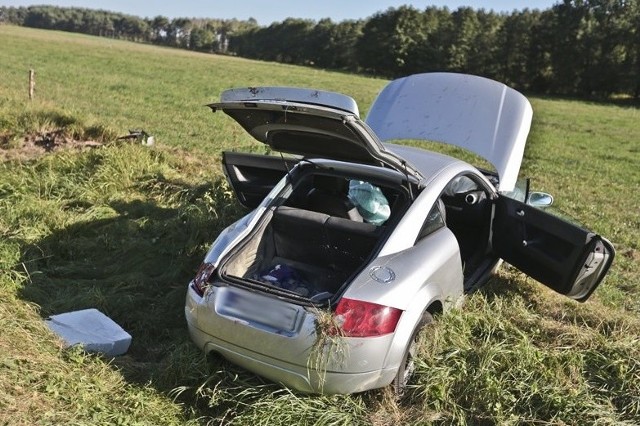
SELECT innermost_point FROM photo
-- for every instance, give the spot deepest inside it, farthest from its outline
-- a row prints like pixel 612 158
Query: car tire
pixel 407 367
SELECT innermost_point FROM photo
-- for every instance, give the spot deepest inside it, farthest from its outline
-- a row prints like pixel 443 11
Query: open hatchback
pixel 375 236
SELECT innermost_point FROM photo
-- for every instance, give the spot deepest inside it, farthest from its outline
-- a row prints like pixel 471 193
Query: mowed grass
pixel 122 228
pixel 162 90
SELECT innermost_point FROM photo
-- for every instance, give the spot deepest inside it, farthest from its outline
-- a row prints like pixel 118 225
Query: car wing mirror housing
pixel 539 199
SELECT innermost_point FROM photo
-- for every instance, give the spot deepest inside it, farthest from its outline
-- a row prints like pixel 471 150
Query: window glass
pixel 433 222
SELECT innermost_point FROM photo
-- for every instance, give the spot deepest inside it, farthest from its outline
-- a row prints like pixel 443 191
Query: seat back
pixel 329 195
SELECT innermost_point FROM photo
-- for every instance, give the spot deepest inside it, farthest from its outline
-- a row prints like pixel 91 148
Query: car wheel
pixel 407 366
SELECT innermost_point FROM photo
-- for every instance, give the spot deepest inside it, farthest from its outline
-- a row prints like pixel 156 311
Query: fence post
pixel 32 83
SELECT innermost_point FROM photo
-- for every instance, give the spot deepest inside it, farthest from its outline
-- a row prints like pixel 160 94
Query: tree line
pixel 577 47
pixel 206 35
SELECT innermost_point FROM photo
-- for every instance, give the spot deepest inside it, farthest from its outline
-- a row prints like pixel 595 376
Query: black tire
pixel 407 366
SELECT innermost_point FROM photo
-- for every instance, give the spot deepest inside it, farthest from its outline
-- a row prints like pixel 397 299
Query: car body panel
pixel 427 163
pixel 440 170
pixel 434 261
pixel 292 95
pixel 293 375
pixel 563 256
pixel 240 229
pixel 282 356
pixel 253 176
pixel 471 112
pixel 312 131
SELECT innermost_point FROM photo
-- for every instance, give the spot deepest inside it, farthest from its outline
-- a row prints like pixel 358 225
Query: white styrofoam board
pixel 91 329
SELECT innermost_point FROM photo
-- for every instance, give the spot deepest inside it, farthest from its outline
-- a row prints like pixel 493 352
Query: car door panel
pixel 252 176
pixel 559 254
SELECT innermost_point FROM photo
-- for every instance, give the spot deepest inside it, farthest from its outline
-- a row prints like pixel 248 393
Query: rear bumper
pixel 291 375
pixel 276 361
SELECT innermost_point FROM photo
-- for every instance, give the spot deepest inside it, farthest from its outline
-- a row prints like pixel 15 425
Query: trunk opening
pixel 314 242
pixel 308 253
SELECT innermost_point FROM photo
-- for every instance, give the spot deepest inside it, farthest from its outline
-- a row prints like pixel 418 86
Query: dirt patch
pixel 632 254
pixel 35 145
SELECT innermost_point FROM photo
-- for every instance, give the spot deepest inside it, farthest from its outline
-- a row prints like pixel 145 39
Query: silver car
pixel 353 243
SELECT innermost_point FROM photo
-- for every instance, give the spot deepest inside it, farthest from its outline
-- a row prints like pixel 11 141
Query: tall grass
pixel 123 227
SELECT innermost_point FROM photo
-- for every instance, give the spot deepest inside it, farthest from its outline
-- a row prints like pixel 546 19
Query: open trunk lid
pixel 307 122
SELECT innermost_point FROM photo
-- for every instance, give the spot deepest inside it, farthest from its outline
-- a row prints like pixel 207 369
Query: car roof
pixel 428 163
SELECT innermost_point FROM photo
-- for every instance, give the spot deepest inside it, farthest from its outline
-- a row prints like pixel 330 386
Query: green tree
pixel 431 53
pixel 179 32
pixel 481 57
pixel 606 27
pixel 514 47
pixel 344 37
pixel 463 32
pixel 539 58
pixel 203 36
pixel 160 29
pixel 388 40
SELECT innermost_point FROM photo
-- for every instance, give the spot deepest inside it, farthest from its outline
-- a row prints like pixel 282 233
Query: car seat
pixel 329 196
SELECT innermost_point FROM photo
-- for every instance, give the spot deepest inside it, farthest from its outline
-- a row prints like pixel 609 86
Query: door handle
pixel 520 212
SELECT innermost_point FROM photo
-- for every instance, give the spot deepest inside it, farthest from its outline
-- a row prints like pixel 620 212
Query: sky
pixel 268 11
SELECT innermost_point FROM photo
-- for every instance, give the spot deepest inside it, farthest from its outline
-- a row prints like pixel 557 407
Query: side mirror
pixel 540 199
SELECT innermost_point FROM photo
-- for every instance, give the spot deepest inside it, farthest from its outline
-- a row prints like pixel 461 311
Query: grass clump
pixel 36 125
pixel 232 396
pixel 502 362
pixel 328 349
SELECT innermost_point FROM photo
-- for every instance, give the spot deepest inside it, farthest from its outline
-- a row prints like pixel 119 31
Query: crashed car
pixel 353 243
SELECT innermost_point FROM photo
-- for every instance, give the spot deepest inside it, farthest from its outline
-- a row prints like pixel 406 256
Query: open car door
pixel 563 256
pixel 253 176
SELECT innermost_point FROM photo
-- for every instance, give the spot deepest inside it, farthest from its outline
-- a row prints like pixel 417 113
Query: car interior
pixel 468 216
pixel 315 240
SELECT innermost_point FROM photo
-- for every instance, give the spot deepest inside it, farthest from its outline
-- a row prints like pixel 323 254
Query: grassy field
pixel 123 227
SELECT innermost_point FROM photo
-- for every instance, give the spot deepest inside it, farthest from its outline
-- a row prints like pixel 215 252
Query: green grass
pixel 122 228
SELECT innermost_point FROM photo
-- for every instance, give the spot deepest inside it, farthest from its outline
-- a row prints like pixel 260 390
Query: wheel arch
pixel 411 319
pixel 435 308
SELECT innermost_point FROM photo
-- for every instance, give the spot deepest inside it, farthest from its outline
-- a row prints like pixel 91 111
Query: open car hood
pixel 307 122
pixel 475 113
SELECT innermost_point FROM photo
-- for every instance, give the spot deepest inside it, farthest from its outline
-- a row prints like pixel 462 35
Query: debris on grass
pixel 35 145
pixel 329 346
pixel 92 330
pixel 140 136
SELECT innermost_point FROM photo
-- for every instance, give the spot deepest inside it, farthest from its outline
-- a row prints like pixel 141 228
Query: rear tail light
pixel 201 279
pixel 365 319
